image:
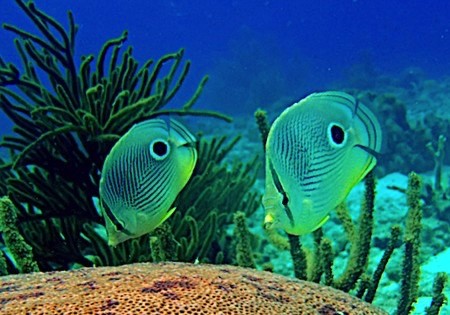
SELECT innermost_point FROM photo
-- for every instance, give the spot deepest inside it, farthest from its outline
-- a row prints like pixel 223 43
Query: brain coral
pixel 171 288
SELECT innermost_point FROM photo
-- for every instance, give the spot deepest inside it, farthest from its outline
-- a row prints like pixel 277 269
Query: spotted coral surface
pixel 171 288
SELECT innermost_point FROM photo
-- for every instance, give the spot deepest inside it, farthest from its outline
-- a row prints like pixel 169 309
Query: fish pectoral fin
pixel 268 221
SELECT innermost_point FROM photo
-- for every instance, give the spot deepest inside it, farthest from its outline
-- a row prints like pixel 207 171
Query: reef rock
pixel 172 288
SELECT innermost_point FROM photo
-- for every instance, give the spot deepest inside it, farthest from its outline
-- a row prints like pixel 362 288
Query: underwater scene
pixel 227 157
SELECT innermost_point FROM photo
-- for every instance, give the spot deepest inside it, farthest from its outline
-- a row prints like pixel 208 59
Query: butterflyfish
pixel 317 150
pixel 142 175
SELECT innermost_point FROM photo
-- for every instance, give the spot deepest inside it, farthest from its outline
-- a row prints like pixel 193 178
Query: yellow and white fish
pixel 317 150
pixel 142 175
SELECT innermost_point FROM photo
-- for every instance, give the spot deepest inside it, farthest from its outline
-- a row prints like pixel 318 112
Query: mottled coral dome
pixel 171 288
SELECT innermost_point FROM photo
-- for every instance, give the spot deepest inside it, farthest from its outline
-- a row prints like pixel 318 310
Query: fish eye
pixel 336 135
pixel 159 149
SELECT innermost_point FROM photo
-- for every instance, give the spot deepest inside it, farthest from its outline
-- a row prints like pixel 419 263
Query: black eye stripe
pixel 119 226
pixel 280 189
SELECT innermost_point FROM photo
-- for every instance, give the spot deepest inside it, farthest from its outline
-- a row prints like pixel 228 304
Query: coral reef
pixel 398 152
pixel 439 299
pixel 438 155
pixel 360 240
pixel 66 119
pixel 316 263
pixel 20 250
pixel 244 252
pixel 392 244
pixel 172 288
pixel 411 260
pixel 414 112
pixel 437 191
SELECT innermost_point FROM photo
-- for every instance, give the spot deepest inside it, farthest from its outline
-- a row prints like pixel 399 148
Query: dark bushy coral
pixel 19 249
pixel 66 119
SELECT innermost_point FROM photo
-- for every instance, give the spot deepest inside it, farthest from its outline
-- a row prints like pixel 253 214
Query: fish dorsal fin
pixel 336 97
pixel 180 134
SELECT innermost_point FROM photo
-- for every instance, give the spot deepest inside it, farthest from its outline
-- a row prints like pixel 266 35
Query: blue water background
pixel 259 52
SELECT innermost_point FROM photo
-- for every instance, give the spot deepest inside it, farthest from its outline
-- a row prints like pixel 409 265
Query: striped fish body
pixel 142 176
pixel 317 150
